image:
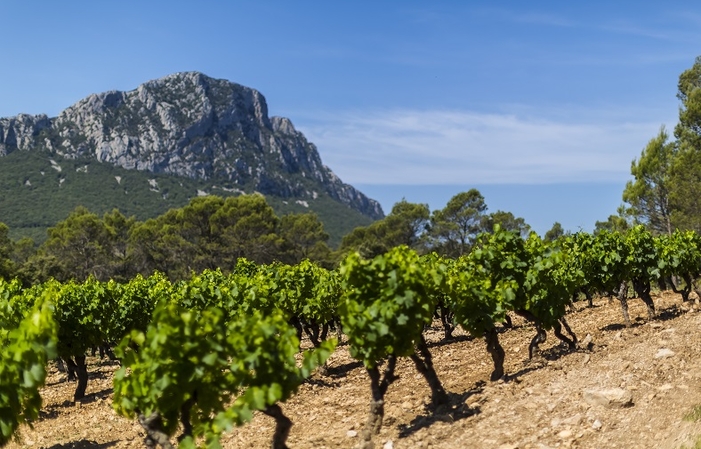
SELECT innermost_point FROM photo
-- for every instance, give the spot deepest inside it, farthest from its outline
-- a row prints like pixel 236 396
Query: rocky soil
pixel 624 388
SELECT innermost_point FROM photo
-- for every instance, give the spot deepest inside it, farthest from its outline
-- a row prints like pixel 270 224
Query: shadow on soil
pixel 52 411
pixel 343 370
pixel 667 314
pixel 449 341
pixel 456 410
pixel 83 444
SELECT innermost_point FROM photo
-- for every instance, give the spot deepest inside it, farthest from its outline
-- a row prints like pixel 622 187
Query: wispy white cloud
pixel 464 147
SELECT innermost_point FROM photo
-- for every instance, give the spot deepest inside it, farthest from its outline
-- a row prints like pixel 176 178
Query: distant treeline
pixel 213 232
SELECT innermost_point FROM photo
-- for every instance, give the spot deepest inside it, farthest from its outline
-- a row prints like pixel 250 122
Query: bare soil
pixel 539 404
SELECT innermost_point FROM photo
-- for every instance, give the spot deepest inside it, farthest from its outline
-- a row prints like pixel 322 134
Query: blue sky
pixel 540 105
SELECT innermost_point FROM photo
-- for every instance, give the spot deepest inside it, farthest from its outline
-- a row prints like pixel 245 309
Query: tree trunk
pixel 623 298
pixel 282 426
pixel 185 416
pixel 447 320
pixel 81 371
pixel 497 353
pixel 642 288
pixel 153 426
pixel 424 364
pixel 378 389
pixel 557 330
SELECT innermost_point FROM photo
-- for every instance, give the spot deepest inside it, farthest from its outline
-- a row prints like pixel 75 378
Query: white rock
pixel 351 434
pixel 664 353
pixel 608 397
pixel 565 434
pixel 388 445
pixel 596 425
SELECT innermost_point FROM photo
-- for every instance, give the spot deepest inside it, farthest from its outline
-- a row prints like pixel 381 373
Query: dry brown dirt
pixel 540 404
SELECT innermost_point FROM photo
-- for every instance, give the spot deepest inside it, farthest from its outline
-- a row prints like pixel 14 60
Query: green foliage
pixel 387 303
pixel 24 353
pixel 303 237
pixel 35 197
pixel 209 371
pixel 614 223
pixel 649 194
pixel 305 290
pixel 606 257
pixel 7 266
pixel 454 228
pixel 680 254
pixel 554 233
pixel 506 221
pixel 642 260
pixel 84 314
pixel 405 225
pixel 553 276
pixel 665 194
pixel 489 281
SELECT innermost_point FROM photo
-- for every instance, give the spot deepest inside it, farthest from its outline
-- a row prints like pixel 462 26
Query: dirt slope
pixel 544 403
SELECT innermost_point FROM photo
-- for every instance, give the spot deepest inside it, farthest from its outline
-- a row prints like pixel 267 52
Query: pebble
pixel 565 434
pixel 351 434
pixel 388 445
pixel 574 420
pixel 664 353
pixel 596 425
pixel 608 397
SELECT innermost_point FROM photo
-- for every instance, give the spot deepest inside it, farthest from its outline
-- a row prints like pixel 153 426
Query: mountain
pixel 205 135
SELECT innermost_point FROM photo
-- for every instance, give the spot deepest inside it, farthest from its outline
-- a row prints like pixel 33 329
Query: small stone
pixel 388 445
pixel 596 425
pixel 406 405
pixel 610 397
pixel 664 353
pixel 351 434
pixel 565 434
pixel 574 420
pixel 665 387
pixel 587 343
pixel 586 359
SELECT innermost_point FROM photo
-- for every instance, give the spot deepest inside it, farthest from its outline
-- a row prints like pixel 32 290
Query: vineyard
pixel 247 358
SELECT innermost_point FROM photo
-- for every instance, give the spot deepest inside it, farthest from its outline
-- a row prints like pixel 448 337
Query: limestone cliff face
pixel 190 125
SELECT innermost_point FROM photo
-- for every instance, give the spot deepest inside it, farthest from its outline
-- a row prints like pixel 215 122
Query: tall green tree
pixel 614 223
pixel 7 266
pixel 506 221
pixel 77 248
pixel 649 193
pixel 686 171
pixel 554 233
pixel 303 237
pixel 454 228
pixel 666 191
pixel 407 224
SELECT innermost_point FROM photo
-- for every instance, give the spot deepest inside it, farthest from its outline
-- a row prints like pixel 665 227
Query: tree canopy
pixel 665 193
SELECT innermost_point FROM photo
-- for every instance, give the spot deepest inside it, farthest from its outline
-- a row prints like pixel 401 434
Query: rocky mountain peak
pixel 188 124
